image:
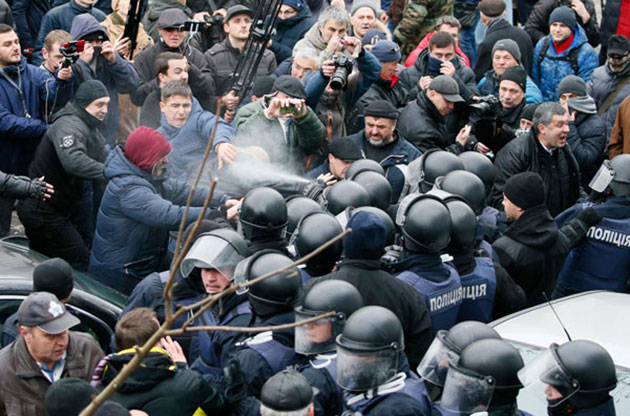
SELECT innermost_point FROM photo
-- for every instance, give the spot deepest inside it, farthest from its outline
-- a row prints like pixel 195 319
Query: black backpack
pixel 572 57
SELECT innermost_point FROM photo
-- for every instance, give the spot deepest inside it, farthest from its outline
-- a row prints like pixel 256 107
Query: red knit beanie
pixel 145 146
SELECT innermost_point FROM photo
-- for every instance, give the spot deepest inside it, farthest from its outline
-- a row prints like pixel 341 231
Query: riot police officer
pixel 579 375
pixel 484 379
pixel 600 261
pixel 488 290
pixel 426 227
pixel 344 194
pixel 317 340
pixel 314 230
pixel 432 164
pixel 372 369
pixel 297 207
pixel 272 301
pixel 214 256
pixel 263 219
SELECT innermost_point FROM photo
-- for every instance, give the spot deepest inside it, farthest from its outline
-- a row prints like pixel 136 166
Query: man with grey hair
pixel 303 61
pixel 544 151
pixel 327 35
pixel 287 393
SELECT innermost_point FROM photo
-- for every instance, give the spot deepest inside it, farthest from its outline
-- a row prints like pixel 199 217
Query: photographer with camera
pixel 170 27
pixel 223 57
pixel 327 35
pixel 291 129
pixel 56 61
pixel 334 91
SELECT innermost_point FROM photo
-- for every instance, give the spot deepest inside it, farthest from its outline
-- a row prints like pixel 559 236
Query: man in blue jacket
pixel 25 92
pixel 188 127
pixel 60 17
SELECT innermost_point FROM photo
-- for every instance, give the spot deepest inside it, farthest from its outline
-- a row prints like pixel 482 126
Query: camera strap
pixel 18 87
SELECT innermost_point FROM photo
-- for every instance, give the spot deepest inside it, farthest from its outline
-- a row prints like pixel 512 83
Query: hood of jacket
pixel 535 228
pixel 314 37
pixel 302 15
pixel 155 367
pixel 117 164
pixel 84 24
pixel 579 39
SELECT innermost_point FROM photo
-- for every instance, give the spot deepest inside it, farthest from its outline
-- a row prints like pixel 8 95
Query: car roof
pixel 598 316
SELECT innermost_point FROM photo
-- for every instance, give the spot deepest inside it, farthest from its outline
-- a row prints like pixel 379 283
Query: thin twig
pixel 181 331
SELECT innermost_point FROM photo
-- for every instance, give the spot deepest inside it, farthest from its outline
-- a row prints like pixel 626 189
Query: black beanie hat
pixel 381 109
pixel 528 111
pixel 563 15
pixel 90 91
pixel 572 84
pixel 68 397
pixel 263 85
pixel 516 74
pixel 525 190
pixel 53 276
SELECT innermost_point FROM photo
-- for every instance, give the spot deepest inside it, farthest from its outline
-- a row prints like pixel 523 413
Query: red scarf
pixel 563 46
pixel 393 79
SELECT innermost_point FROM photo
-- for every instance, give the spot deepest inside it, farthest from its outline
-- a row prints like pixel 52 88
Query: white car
pixel 599 316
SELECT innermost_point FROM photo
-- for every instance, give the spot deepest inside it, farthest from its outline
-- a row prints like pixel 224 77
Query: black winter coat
pixel 610 20
pixel 288 32
pixel 537 24
pixel 533 250
pixel 28 16
pixel 560 171
pixel 424 127
pixel 382 89
pixel 502 29
pixel 587 139
pixel 602 84
pixel 380 288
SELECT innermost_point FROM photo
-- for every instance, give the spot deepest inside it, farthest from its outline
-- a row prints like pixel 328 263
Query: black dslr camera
pixel 486 108
pixel 215 31
pixel 343 68
pixel 71 51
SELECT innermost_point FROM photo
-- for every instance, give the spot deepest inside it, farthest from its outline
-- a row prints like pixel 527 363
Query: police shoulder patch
pixel 67 141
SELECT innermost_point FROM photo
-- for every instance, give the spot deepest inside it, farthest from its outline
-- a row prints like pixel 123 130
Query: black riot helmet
pixel 435 163
pixel 448 345
pixel 484 377
pixel 314 230
pixel 425 222
pixel 377 186
pixel 297 208
pixel 263 214
pixel 363 165
pixel 480 165
pixel 582 371
pixel 464 223
pixel 276 294
pixel 345 194
pixel 369 349
pixel 620 185
pixel 467 185
pixel 326 296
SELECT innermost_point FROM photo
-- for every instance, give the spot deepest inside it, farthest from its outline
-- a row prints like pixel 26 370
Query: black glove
pixel 590 217
pixel 235 386
pixel 391 258
pixel 29 188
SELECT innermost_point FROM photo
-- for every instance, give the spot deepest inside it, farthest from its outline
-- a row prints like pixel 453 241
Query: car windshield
pixel 532 399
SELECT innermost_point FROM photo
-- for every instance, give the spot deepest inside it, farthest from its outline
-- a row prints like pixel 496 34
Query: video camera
pixel 211 28
pixel 343 68
pixel 71 51
pixel 485 108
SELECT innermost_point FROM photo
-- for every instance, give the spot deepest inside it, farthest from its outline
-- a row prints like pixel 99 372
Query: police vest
pixel 479 289
pixel 443 299
pixel 210 362
pixel 601 261
pixel 277 356
pixel 411 386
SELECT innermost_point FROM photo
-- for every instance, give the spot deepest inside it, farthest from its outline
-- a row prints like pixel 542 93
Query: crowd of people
pixel 476 176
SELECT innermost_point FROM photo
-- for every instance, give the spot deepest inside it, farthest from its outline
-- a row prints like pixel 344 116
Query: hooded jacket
pixel 20 135
pixel 289 32
pixel 136 213
pixel 559 170
pixel 61 17
pixel 555 66
pixel 189 141
pixel 23 386
pixel 602 83
pixel 533 250
pixel 537 25
pixel 119 76
pixel 161 387
pixel 489 84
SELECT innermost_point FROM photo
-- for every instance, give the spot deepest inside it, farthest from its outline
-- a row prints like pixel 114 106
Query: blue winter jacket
pixel 28 15
pixel 489 84
pixel 289 31
pixel 554 67
pixel 136 214
pixel 61 17
pixel 119 76
pixel 20 135
pixel 189 141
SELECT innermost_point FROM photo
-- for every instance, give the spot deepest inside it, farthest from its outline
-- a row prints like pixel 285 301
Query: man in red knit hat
pixel 139 208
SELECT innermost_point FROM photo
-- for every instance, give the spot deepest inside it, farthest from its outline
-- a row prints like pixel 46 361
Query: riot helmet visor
pixel 211 252
pixel 434 364
pixel 364 370
pixel 465 391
